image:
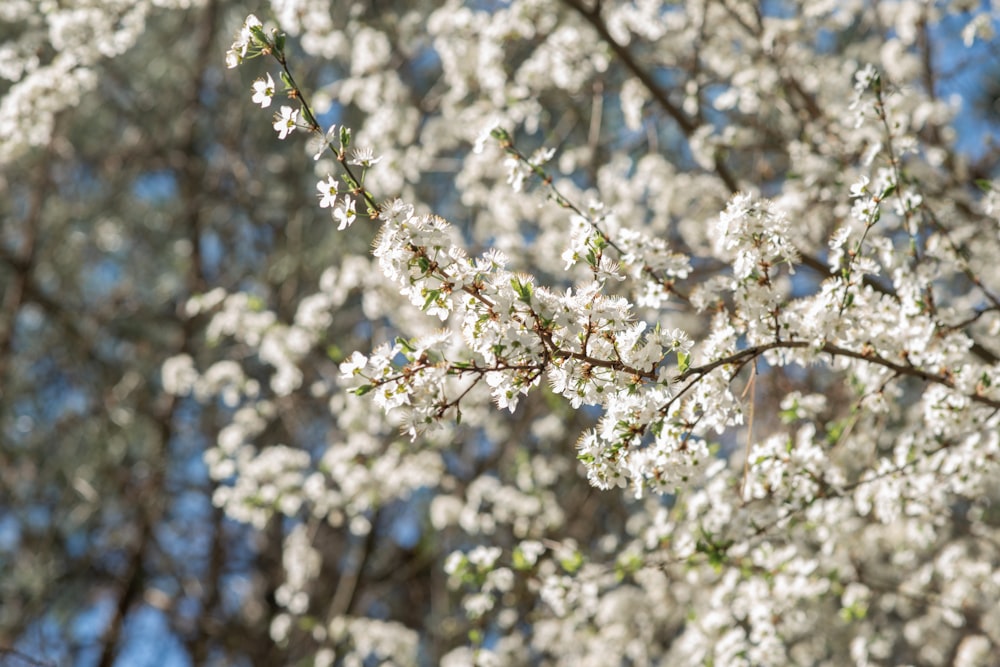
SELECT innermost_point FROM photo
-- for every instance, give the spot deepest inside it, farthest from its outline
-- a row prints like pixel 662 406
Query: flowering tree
pixel 617 333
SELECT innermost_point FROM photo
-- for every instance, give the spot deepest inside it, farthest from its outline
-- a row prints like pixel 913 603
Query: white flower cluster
pixel 830 294
pixel 587 343
pixel 79 34
pixel 364 640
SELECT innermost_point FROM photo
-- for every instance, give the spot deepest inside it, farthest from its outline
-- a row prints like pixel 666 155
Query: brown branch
pixel 744 356
pixel 593 17
pixel 687 126
pixel 131 593
pixel 347 586
pixel 22 264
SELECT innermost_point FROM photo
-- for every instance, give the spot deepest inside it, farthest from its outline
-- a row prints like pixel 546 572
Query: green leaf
pixel 789 415
pixel 523 289
pixel 627 566
pixel 572 562
pixel 432 296
pixel 255 303
pixel 683 361
pixel 363 389
pixel 855 612
pixel 834 430
pixel 260 37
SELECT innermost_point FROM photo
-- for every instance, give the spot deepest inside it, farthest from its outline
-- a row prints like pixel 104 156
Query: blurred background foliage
pixel 163 183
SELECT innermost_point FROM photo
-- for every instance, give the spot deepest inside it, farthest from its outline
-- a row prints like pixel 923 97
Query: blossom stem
pixel 317 128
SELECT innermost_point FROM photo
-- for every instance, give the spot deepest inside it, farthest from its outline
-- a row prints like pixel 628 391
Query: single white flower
pixel 285 121
pixel 364 157
pixel 344 213
pixel 233 57
pixel 263 91
pixel 238 51
pixel 485 135
pixel 860 188
pixel 864 79
pixel 327 192
pixel 353 365
pixel 318 142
